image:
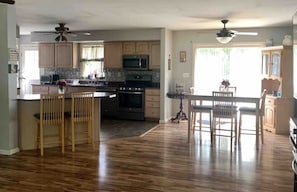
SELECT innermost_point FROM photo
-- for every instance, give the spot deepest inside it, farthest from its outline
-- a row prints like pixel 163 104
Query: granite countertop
pixel 34 97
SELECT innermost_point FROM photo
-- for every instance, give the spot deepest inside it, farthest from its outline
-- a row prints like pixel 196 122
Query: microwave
pixel 135 62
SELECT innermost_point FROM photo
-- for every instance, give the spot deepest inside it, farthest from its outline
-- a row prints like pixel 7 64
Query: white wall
pixel 166 75
pixel 8 84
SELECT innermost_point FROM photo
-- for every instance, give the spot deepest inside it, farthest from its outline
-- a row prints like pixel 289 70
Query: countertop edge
pixel 35 97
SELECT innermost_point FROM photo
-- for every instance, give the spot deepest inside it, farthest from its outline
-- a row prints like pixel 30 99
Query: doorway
pixel 29 68
pixel 241 66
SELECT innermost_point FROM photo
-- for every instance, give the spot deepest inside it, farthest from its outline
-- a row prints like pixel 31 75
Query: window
pixel 92 65
pixel 240 65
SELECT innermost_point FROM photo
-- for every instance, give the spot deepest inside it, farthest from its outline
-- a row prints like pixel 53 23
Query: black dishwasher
pixel 109 106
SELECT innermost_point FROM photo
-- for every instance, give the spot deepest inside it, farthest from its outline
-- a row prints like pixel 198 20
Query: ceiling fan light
pixel 224 40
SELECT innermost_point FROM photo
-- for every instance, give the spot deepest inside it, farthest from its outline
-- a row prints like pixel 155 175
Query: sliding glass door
pixel 240 65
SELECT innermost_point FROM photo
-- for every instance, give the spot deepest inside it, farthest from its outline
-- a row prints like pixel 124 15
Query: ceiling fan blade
pixel 7 1
pixel 245 33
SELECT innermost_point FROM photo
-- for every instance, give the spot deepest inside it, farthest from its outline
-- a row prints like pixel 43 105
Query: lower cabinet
pixel 40 89
pixel 45 89
pixel 152 103
pixel 277 113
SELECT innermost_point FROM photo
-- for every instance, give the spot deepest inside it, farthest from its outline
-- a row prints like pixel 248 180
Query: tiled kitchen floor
pixel 111 128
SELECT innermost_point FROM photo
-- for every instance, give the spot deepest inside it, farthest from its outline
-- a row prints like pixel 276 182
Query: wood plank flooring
pixel 161 160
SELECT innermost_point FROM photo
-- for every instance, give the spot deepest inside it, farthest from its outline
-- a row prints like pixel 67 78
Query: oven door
pixel 130 101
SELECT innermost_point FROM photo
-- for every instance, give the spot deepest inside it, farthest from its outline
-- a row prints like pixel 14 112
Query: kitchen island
pixel 29 104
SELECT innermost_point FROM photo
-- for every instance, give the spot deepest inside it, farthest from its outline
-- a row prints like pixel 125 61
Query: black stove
pixel 135 82
pixel 131 97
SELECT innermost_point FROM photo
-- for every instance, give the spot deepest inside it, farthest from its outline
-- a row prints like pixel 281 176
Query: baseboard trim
pixel 9 152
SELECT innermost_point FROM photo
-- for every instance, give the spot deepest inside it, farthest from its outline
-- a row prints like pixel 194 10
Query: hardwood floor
pixel 161 160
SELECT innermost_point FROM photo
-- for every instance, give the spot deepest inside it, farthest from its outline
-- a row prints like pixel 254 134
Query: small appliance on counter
pixel 55 78
pixel 45 80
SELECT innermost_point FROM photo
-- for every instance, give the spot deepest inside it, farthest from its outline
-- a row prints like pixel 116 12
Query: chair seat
pixel 247 109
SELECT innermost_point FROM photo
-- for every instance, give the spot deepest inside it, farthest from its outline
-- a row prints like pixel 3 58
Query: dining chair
pixel 51 114
pixel 199 107
pixel 252 111
pixel 82 111
pixel 223 108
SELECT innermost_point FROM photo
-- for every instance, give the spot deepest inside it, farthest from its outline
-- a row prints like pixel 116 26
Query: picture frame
pixel 182 56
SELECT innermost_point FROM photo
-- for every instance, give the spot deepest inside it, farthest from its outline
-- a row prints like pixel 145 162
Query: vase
pixel 61 90
pixel 287 40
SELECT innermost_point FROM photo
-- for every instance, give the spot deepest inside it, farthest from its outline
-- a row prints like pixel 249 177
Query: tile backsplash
pixel 110 74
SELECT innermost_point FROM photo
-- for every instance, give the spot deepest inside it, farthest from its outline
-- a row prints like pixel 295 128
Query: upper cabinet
pixel 136 48
pixel 113 55
pixel 60 55
pixel 271 62
pixel 154 60
pixel 113 52
pixel 277 70
pixel 66 55
pixel 46 55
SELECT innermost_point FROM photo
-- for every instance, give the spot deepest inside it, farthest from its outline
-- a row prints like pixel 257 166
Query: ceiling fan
pixel 225 36
pixel 63 32
pixel 7 1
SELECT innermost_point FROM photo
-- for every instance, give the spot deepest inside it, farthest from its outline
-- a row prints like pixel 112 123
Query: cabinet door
pixel 39 89
pixel 129 48
pixel 63 55
pixel 275 62
pixel 53 89
pixel 113 55
pixel 269 116
pixel 141 48
pixel 265 63
pixel 46 55
pixel 154 55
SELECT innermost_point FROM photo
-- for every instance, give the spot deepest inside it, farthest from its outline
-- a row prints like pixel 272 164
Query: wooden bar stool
pixel 51 114
pixel 82 111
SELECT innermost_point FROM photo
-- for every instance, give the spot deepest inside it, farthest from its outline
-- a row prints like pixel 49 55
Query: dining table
pixel 238 99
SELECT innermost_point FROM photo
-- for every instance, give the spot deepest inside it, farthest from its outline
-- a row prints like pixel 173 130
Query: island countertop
pixel 33 97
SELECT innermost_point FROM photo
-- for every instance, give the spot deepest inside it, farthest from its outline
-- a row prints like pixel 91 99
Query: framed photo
pixel 183 56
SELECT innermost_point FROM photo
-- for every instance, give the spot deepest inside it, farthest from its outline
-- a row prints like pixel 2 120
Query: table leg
pixel 257 124
pixel 180 115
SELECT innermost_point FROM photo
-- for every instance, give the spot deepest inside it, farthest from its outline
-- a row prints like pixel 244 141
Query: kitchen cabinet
pixel 40 89
pixel 277 71
pixel 45 89
pixel 113 55
pixel 277 113
pixel 59 55
pixel 154 60
pixel 136 48
pixel 271 62
pixel 152 103
pixel 73 89
pixel 46 55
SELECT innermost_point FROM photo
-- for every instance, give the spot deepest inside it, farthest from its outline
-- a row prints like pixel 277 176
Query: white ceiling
pixel 80 15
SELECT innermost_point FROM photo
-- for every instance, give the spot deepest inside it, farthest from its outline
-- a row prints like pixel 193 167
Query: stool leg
pixel 239 128
pixel 72 135
pixel 41 139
